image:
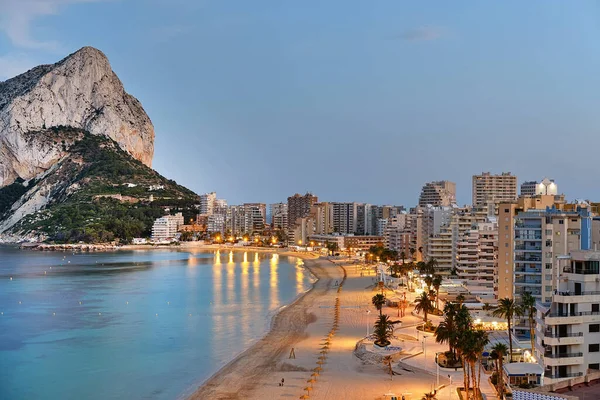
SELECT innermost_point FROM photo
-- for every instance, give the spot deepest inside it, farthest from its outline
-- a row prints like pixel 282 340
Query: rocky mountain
pixel 80 91
pixel 96 192
pixel 75 157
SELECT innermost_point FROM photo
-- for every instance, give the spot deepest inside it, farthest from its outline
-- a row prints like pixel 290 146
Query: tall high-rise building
pixel 323 216
pixel 477 256
pixel 344 217
pixel 207 202
pixel 488 188
pixel 438 193
pixel 279 216
pixel 256 217
pixel 299 207
pixel 220 207
pixel 535 188
pixel 363 219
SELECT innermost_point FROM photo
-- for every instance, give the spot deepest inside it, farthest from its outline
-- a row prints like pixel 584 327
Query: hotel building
pixel 488 188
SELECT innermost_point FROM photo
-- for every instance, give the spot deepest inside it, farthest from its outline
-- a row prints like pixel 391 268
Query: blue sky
pixel 352 100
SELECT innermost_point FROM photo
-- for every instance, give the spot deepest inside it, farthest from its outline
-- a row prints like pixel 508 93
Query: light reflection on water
pixel 151 324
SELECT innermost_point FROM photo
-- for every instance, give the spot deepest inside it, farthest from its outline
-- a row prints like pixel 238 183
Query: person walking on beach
pixel 282 380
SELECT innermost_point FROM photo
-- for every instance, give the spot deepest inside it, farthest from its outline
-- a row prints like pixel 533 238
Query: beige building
pixel 323 215
pixel 506 234
pixel 488 188
pixel 438 193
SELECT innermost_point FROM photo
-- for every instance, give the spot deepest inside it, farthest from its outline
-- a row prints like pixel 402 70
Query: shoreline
pixel 241 375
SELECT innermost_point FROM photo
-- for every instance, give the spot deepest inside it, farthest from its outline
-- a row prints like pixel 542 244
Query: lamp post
pixel 368 312
pixel 424 345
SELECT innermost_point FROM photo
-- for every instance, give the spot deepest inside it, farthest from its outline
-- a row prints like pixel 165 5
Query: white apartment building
pixel 215 223
pixel 477 256
pixel 441 248
pixel 535 188
pixel 207 203
pixel 568 328
pixel 279 216
pixel 165 228
pixel 323 215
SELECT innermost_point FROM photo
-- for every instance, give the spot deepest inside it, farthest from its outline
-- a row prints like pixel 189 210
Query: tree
pixel 423 303
pixel 460 299
pixel 499 351
pixel 383 330
pixel 332 248
pixel 437 283
pixel 428 281
pixel 507 308
pixel 446 331
pixel 378 301
pixel 428 396
pixel 528 308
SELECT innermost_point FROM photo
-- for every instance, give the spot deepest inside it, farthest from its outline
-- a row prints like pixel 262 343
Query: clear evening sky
pixel 352 100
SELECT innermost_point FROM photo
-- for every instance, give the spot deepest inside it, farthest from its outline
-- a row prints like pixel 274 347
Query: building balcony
pixel 576 318
pixel 549 378
pixel 563 340
pixel 529 259
pixel 521 281
pixel 556 360
pixel 528 270
pixel 584 297
pixel 522 248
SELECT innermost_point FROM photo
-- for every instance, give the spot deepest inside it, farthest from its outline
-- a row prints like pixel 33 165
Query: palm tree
pixel 460 299
pixel 423 303
pixel 428 396
pixel 383 330
pixel 446 330
pixel 528 308
pixel 481 340
pixel 508 308
pixel 428 281
pixel 437 282
pixel 499 350
pixel 378 301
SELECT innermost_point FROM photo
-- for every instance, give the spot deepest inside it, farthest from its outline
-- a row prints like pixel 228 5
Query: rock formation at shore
pixel 80 91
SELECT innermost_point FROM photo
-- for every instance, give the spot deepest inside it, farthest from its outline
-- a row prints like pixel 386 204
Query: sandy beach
pixel 303 326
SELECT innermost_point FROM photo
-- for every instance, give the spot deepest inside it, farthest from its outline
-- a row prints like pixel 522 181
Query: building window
pixel 594 328
pixel 548 277
pixel 548 265
pixel 548 232
pixel 548 288
pixel 594 366
pixel 505 244
pixel 506 210
pixel 595 307
pixel 561 222
pixel 594 348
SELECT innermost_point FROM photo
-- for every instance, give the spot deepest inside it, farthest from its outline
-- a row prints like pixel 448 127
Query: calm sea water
pixel 132 325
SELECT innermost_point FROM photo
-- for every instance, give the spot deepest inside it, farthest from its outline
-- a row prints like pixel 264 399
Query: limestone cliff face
pixel 80 91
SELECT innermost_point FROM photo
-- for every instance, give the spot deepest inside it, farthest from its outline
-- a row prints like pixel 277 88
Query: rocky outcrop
pixel 80 91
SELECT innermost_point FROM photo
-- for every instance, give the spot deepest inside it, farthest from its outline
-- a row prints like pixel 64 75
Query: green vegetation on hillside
pixel 11 193
pixel 98 168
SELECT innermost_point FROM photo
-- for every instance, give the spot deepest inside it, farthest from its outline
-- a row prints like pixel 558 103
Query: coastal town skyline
pixel 380 99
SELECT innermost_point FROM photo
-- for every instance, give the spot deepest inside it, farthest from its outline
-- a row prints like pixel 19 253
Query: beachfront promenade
pixel 256 374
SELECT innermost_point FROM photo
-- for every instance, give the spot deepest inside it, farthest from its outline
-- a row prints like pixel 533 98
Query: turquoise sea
pixel 132 324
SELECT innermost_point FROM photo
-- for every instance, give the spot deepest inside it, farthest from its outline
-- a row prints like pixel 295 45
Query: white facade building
pixel 568 329
pixel 207 203
pixel 165 228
